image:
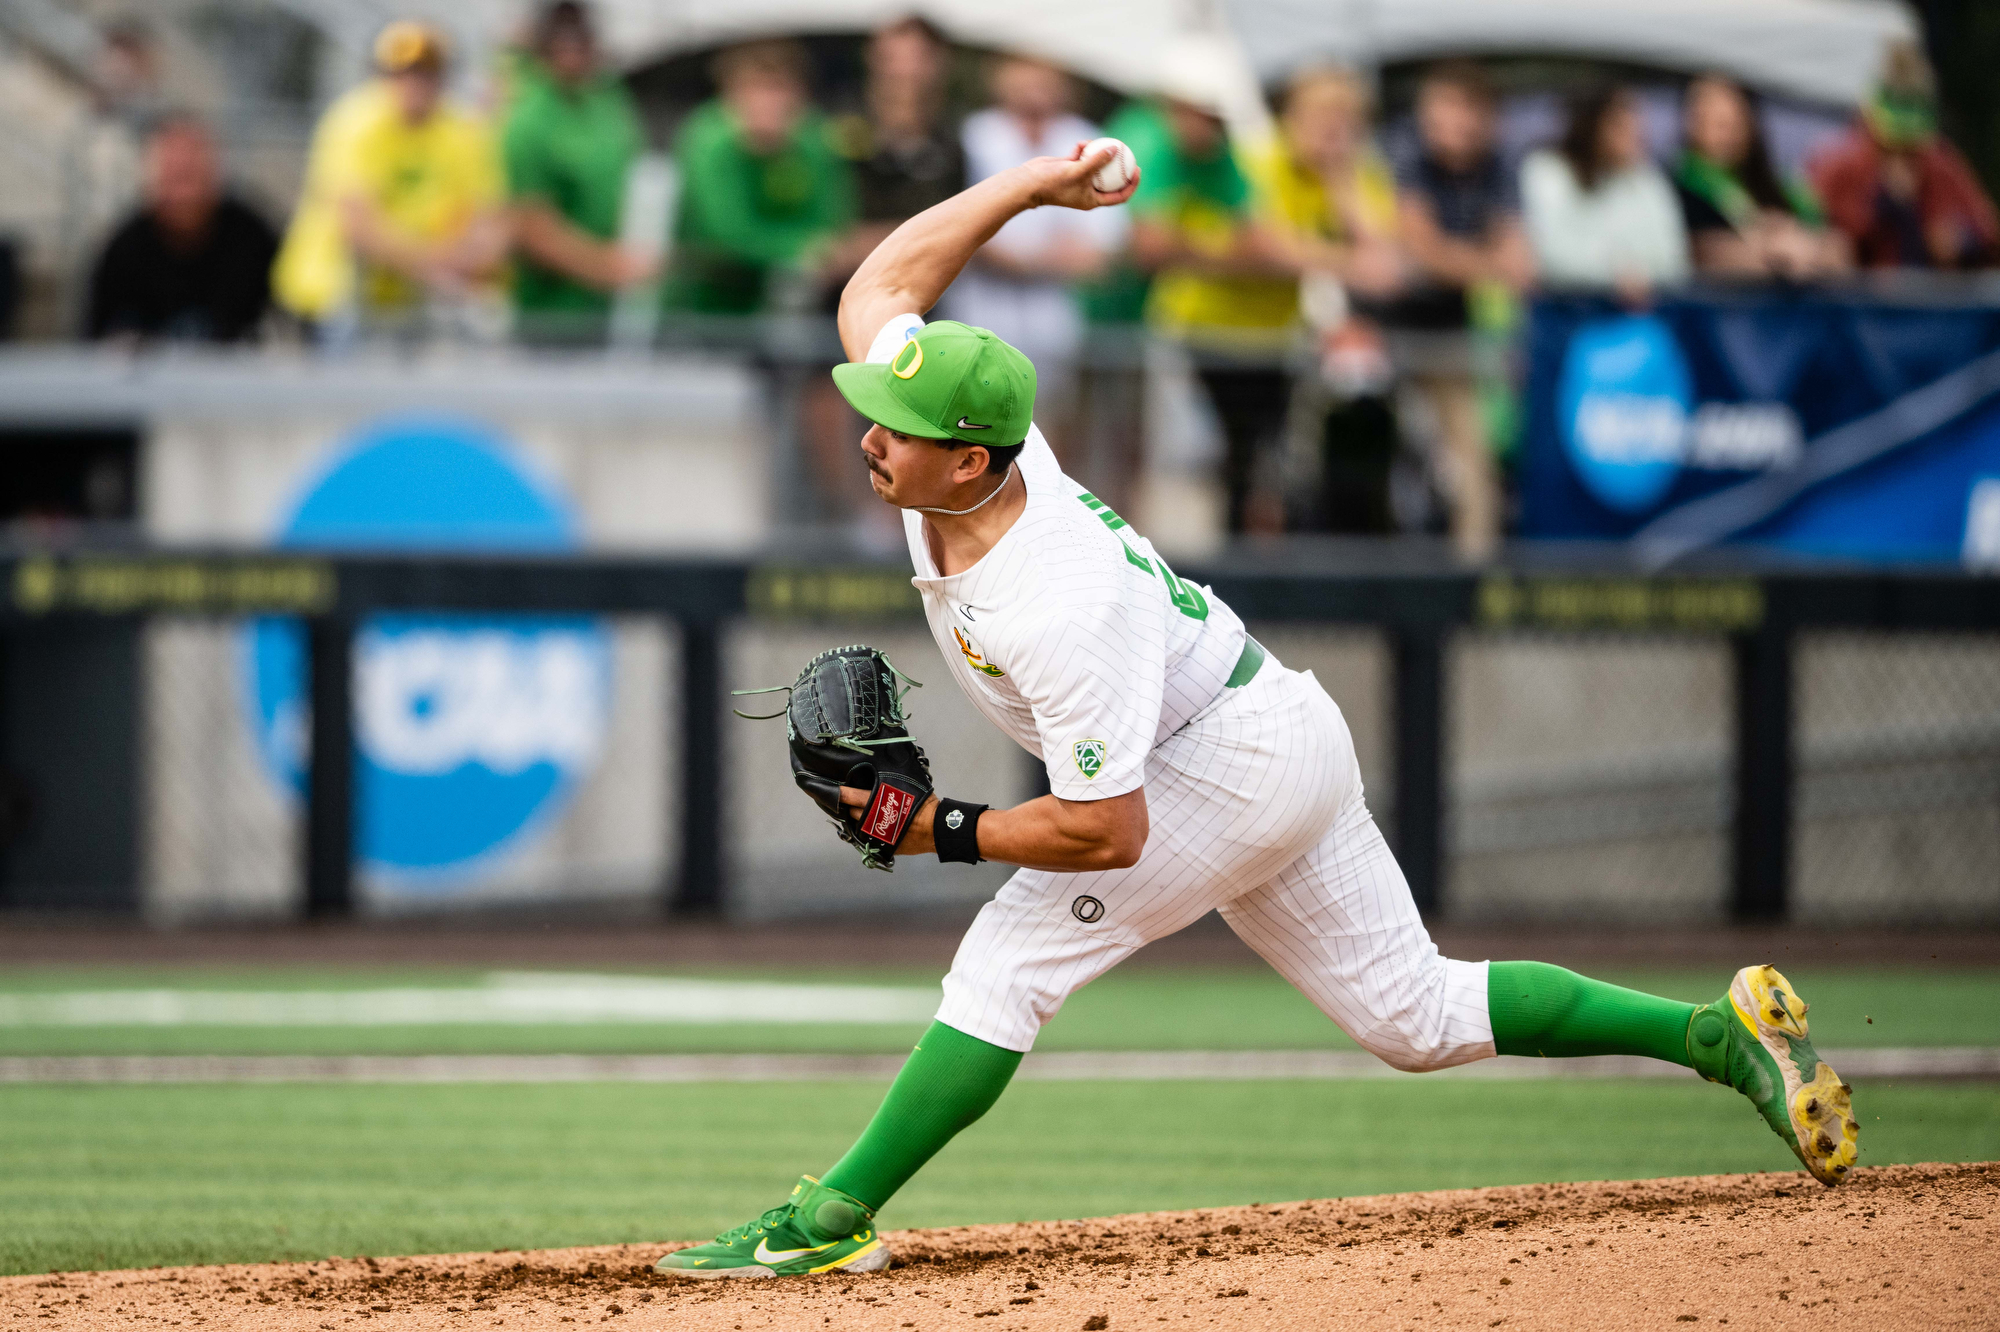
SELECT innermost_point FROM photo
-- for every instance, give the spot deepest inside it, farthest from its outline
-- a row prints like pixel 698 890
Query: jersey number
pixel 1185 596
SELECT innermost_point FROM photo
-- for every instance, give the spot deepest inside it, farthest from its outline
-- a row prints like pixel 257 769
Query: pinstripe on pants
pixel 1256 810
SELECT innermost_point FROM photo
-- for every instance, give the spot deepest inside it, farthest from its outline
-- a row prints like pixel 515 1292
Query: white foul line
pixel 504 998
pixel 1982 1062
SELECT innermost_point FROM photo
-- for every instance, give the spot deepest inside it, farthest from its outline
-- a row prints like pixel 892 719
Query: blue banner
pixel 471 731
pixel 1821 424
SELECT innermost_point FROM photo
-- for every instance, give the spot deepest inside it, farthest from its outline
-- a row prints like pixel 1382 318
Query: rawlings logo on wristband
pixel 889 813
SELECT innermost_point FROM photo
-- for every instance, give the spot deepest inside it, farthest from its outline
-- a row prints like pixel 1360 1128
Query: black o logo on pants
pixel 1086 909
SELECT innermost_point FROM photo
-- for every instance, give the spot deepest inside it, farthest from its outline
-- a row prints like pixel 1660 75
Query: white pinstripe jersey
pixel 1071 634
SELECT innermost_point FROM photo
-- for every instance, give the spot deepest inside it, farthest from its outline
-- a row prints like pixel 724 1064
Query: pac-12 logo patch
pixel 1090 757
pixel 1086 909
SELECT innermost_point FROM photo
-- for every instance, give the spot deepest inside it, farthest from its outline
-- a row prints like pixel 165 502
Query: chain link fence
pixel 1898 806
pixel 1589 778
pixel 221 826
pixel 1589 775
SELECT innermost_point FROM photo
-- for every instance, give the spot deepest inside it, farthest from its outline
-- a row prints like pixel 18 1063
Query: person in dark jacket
pixel 1897 189
pixel 193 263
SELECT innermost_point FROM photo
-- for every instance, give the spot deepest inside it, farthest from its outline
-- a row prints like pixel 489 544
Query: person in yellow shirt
pixel 1329 202
pixel 1221 287
pixel 1330 197
pixel 402 205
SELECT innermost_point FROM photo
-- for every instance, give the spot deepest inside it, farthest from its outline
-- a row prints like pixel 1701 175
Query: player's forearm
pixel 1048 833
pixel 1052 834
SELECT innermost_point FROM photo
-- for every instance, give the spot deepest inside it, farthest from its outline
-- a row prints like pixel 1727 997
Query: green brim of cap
pixel 865 385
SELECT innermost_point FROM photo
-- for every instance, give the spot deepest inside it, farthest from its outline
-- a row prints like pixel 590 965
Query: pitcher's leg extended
pixel 1340 925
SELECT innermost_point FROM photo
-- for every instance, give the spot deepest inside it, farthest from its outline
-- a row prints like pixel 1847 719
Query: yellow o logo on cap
pixel 897 368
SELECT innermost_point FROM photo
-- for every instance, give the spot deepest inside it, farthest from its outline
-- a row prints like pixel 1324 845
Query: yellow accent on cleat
pixel 1820 1106
pixel 863 1259
pixel 1828 1130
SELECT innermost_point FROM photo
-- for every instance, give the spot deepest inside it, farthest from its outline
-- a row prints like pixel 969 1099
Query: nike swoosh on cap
pixel 766 1254
pixel 964 424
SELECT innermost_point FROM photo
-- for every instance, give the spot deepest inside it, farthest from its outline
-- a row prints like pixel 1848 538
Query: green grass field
pixel 106 1175
pixel 128 1176
pixel 1136 1009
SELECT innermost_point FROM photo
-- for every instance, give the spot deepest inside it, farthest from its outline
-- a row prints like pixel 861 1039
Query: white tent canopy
pixel 1120 43
pixel 1819 50
pixel 1124 44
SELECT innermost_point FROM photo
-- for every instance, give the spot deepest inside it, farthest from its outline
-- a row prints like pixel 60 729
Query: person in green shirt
pixel 1218 280
pixel 1744 219
pixel 1119 296
pixel 1221 285
pixel 764 193
pixel 571 135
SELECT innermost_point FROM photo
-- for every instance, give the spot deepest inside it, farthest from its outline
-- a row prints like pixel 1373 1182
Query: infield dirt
pixel 1901 1247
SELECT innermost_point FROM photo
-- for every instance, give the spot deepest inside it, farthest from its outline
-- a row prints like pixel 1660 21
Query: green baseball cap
pixel 950 381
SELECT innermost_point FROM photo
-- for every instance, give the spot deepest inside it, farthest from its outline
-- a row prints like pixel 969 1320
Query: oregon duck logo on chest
pixel 973 656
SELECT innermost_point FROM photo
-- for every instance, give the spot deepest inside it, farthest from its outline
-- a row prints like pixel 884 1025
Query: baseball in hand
pixel 1116 174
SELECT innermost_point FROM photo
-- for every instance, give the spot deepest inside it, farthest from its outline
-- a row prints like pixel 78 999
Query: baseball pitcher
pixel 1190 771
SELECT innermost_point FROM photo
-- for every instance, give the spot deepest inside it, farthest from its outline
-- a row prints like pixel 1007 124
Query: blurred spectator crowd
pixel 1330 297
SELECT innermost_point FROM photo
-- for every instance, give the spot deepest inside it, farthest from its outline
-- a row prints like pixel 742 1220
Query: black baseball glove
pixel 845 727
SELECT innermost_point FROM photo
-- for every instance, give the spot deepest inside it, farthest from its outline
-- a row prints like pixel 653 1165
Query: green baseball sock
pixel 1542 1010
pixel 950 1080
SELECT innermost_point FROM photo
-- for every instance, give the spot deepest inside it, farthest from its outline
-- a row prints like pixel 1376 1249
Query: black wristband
pixel 955 830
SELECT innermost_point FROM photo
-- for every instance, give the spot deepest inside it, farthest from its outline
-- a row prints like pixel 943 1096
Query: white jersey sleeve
pixel 894 334
pixel 1094 678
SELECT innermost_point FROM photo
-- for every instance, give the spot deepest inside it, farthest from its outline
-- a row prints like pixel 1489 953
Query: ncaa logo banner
pixel 1623 409
pixel 1831 423
pixel 471 731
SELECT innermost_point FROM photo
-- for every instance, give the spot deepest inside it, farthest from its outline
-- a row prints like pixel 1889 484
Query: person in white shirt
pixel 1021 284
pixel 1599 213
pixel 1189 772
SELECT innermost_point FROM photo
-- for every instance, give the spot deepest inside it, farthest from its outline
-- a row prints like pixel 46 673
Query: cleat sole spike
pixel 1813 1108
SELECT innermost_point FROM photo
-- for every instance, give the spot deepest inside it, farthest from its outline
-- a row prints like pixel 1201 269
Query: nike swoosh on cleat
pixel 768 1255
pixel 964 424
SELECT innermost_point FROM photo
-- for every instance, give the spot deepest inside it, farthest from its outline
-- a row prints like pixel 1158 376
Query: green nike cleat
pixel 817 1230
pixel 1754 1039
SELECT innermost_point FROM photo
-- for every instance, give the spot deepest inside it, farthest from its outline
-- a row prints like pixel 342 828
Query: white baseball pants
pixel 1256 811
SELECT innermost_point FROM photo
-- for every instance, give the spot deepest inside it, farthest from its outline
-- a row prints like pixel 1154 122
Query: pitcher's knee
pixel 1414 1052
pixel 1436 1018
pixel 1001 1010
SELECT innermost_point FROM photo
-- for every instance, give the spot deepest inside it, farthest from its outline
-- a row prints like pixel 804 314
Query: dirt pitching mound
pixel 1899 1247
